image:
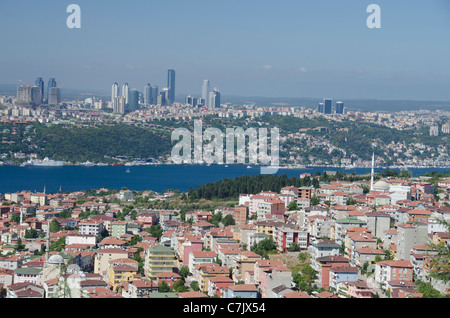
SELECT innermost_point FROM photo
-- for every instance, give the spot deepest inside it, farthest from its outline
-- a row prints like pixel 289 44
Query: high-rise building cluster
pixel 210 98
pixel 326 107
pixel 152 95
pixel 34 95
pixel 133 98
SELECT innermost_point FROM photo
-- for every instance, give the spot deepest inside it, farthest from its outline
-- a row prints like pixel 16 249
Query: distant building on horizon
pixel 148 98
pixel 155 92
pixel 434 130
pixel 162 97
pixel 170 86
pixel 119 105
pixel 54 96
pixel 125 92
pixel 320 108
pixel 114 92
pixel 133 100
pixel 339 107
pixel 51 83
pixel 191 101
pixel 205 91
pixel 29 95
pixel 40 83
pixel 327 105
pixel 214 99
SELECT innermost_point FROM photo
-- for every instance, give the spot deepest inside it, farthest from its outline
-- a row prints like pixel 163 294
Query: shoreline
pixel 284 167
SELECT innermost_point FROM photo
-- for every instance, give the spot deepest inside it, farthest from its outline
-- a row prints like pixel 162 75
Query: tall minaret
pixel 371 175
pixel 47 248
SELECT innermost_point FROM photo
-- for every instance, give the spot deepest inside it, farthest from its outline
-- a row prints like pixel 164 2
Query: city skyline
pixel 273 49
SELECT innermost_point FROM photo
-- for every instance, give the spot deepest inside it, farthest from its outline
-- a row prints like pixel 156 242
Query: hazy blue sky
pixel 276 48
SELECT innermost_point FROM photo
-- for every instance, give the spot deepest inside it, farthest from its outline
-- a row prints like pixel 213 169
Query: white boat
pixel 46 162
pixel 87 164
pixel 249 167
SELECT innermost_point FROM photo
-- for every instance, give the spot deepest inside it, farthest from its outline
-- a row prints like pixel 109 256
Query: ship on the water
pixel 46 162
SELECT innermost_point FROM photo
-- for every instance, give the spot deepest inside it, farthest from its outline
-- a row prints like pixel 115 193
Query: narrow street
pixel 370 282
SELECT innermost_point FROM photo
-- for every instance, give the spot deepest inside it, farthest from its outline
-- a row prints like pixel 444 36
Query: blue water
pixel 156 178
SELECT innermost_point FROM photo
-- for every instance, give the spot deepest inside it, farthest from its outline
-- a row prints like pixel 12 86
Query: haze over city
pixel 246 48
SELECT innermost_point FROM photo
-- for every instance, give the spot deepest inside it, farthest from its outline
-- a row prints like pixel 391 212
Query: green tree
pixel 55 226
pixel 58 245
pixel 15 218
pixel 135 239
pixel 194 285
pixel 66 214
pixel 314 200
pixel 427 290
pixel 19 246
pixel 155 231
pixel 305 278
pixel 184 272
pixel 179 286
pixel 163 287
pixel 293 206
pixel 228 220
pixel 264 248
pixel 294 247
pixel 303 257
pixel 31 234
pixel 440 262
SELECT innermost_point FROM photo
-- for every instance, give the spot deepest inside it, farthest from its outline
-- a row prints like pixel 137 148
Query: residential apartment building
pixel 408 235
pixel 159 259
pixel 242 263
pixel 388 271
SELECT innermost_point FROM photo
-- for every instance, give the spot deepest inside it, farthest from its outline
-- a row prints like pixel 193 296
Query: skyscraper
pixel 148 98
pixel 40 83
pixel 327 102
pixel 54 96
pixel 119 105
pixel 171 85
pixel 191 101
pixel 205 91
pixel 339 107
pixel 133 100
pixel 214 99
pixel 51 83
pixel 29 95
pixel 161 100
pixel 320 108
pixel 155 93
pixel 125 91
pixel 115 91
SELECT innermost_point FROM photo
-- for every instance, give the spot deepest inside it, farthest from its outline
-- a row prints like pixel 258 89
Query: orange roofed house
pixel 387 271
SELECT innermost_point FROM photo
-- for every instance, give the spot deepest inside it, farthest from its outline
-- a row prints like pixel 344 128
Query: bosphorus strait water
pixel 157 178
